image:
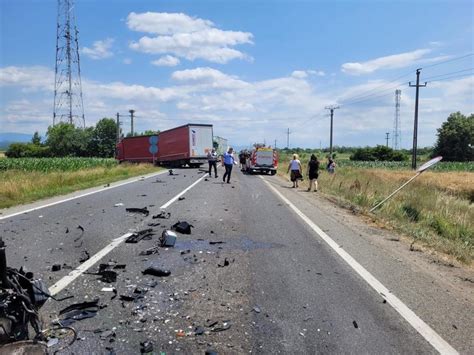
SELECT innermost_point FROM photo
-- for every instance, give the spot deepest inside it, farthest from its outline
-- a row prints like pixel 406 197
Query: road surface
pixel 267 269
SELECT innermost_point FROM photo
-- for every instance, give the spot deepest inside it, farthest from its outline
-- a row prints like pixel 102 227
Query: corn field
pixel 54 164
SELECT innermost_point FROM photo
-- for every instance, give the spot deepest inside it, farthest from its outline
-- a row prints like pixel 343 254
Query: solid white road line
pixel 79 196
pixel 74 274
pixel 167 204
pixel 416 322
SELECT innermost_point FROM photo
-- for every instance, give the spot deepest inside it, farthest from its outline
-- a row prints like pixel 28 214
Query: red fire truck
pixel 184 145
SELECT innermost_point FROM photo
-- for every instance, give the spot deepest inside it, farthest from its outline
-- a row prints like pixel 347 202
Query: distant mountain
pixel 10 137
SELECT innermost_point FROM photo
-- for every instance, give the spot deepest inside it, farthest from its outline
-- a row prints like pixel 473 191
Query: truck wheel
pixel 273 172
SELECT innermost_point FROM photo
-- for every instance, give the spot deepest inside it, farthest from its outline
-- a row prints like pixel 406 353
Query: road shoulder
pixel 421 280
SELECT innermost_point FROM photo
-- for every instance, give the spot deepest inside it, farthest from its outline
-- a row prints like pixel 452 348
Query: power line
pixel 449 78
pixel 455 72
pixel 331 109
pixel 448 60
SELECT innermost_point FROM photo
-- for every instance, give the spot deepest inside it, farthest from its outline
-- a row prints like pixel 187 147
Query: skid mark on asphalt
pixel 74 274
pixel 416 322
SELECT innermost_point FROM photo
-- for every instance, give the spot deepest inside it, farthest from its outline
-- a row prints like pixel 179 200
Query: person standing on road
pixel 295 167
pixel 313 172
pixel 229 162
pixel 212 160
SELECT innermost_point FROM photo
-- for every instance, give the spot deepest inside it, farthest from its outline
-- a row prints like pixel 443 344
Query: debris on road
pixel 84 256
pixel 149 251
pixel 216 242
pixel 256 309
pixel 143 210
pixel 146 347
pixel 221 328
pixel 226 263
pixel 78 311
pixel 162 215
pixel 355 324
pixel 156 272
pixel 108 276
pixel 56 267
pixel 144 234
pixel 182 227
pixel 181 198
pixel 153 224
pixel 168 238
pixel 118 204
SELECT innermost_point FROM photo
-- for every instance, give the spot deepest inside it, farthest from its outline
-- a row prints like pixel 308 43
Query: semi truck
pixel 221 145
pixel 180 146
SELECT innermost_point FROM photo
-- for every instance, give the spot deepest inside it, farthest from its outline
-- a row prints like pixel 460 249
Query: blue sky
pixel 251 68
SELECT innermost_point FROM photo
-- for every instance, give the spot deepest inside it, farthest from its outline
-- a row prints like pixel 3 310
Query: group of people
pixel 296 171
pixel 227 160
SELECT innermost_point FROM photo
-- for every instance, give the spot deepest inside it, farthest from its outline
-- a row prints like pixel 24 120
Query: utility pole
pixel 331 109
pixel 415 129
pixel 131 121
pixel 118 127
pixel 288 138
pixel 386 138
pixel 275 144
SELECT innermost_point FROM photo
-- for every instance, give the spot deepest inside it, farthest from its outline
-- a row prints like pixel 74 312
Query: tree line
pixel 455 142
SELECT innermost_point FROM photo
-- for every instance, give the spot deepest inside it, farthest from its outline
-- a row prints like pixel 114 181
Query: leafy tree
pixel 65 139
pixel 456 138
pixel 36 139
pixel 104 137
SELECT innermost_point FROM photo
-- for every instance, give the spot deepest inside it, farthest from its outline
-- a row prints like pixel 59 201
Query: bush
pixel 378 153
pixel 22 150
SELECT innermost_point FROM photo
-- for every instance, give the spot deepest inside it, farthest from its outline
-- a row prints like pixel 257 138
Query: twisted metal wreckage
pixel 21 297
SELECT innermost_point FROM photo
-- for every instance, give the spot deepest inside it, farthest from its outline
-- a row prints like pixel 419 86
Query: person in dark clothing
pixel 229 162
pixel 313 172
pixel 212 160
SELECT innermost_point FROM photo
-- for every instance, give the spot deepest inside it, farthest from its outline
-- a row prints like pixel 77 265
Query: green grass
pixel 22 186
pixel 435 210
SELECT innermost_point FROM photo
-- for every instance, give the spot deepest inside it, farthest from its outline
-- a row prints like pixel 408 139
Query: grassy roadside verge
pixel 435 211
pixel 19 187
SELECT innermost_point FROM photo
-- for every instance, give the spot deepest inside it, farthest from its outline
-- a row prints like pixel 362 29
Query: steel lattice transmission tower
pixel 68 103
pixel 397 135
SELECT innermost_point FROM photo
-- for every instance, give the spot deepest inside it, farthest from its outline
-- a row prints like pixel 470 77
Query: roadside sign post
pixel 418 173
pixel 153 149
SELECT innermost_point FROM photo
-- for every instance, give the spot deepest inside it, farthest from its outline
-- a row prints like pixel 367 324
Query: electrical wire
pixel 455 72
pixel 451 77
pixel 449 60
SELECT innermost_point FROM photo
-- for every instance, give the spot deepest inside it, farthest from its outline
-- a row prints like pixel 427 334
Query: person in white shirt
pixel 212 160
pixel 295 167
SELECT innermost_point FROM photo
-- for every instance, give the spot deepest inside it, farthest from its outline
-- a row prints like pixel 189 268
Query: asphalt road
pixel 251 277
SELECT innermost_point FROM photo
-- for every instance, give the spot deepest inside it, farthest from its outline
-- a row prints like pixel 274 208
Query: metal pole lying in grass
pixel 418 172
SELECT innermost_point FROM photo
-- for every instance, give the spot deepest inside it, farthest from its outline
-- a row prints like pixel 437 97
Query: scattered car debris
pixel 181 198
pixel 355 324
pixel 171 172
pixel 143 210
pixel 226 263
pixel 216 242
pixel 153 224
pixel 162 215
pixel 79 311
pixel 80 227
pixel 211 352
pixel 56 267
pixel 108 276
pixel 156 272
pixel 168 238
pixel 220 328
pixel 149 251
pixel 182 227
pixel 144 234
pixel 84 256
pixel 256 309
pixel 199 330
pixel 146 347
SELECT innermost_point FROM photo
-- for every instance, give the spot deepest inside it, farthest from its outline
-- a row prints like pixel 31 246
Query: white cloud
pixel 100 49
pixel 389 62
pixel 186 37
pixel 166 61
pixel 208 77
pixel 35 77
pixel 300 74
pixel 317 72
pixel 127 61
